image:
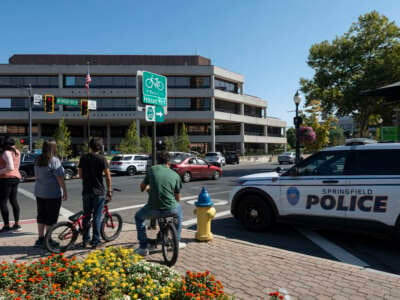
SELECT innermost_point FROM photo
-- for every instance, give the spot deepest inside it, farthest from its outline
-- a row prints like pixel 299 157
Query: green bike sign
pixel 154 89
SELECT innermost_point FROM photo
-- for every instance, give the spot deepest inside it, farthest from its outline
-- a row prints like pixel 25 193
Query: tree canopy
pixel 62 137
pixel 365 57
pixel 131 142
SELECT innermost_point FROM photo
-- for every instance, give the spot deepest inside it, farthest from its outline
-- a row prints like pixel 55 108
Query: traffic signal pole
pixel 30 116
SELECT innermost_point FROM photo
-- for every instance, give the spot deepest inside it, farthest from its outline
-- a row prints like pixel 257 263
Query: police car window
pixel 140 157
pixel 378 162
pixel 127 157
pixel 323 163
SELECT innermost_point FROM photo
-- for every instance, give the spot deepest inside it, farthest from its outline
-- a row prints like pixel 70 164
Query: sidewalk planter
pixel 113 273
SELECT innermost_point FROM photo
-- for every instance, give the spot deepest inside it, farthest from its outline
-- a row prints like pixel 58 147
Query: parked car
pixel 215 158
pixel 231 157
pixel 27 164
pixel 130 164
pixel 286 158
pixel 196 168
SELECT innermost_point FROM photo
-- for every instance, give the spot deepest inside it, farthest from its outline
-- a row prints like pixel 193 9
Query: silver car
pixel 286 158
pixel 215 158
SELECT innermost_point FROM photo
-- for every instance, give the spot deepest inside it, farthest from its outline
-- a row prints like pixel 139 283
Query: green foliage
pixel 131 142
pixel 183 142
pixel 18 145
pixel 169 143
pixel 62 137
pixel 39 144
pixel 336 136
pixel 291 137
pixel 145 144
pixel 365 57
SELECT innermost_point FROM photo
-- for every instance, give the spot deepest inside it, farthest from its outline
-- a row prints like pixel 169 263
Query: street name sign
pixel 150 114
pixel 37 99
pixel 67 101
pixel 154 89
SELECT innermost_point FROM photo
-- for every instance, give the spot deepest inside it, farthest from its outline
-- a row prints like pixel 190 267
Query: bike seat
pixel 76 216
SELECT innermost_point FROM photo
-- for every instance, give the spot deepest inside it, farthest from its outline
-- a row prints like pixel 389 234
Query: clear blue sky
pixel 266 41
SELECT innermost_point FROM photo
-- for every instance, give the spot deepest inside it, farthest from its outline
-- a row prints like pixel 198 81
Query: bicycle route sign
pixel 154 89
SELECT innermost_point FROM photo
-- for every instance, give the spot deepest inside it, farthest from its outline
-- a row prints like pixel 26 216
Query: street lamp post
pixel 380 121
pixel 297 121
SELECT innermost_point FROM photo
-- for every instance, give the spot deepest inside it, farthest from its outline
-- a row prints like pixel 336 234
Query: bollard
pixel 205 213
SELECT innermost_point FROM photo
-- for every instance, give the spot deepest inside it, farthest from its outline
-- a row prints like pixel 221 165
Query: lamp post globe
pixel 297 100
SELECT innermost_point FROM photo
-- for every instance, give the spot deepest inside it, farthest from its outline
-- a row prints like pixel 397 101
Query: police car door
pixel 140 163
pixel 311 188
pixel 375 186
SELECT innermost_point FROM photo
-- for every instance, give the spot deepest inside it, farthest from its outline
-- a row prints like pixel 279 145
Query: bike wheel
pixel 170 244
pixel 111 227
pixel 60 237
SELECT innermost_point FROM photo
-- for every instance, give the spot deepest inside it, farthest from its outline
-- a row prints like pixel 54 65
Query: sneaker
pixel 182 245
pixel 142 251
pixel 16 227
pixel 95 246
pixel 54 244
pixel 5 229
pixel 39 243
pixel 83 245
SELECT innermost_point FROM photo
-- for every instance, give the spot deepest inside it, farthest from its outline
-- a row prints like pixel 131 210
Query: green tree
pixel 145 144
pixel 336 136
pixel 169 143
pixel 62 137
pixel 365 57
pixel 131 142
pixel 39 144
pixel 320 124
pixel 183 142
pixel 291 137
pixel 18 145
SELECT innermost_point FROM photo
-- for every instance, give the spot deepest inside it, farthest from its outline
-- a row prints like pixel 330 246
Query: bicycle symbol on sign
pixel 154 81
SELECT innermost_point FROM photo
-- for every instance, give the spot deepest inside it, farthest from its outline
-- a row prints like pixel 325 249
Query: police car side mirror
pixel 278 170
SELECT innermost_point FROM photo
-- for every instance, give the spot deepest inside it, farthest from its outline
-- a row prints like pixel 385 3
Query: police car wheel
pixel 131 171
pixel 255 213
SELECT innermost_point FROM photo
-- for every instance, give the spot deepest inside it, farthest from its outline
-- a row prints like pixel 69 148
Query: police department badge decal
pixel 293 195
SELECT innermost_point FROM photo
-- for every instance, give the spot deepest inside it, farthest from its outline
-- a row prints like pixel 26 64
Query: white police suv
pixel 355 184
pixel 130 164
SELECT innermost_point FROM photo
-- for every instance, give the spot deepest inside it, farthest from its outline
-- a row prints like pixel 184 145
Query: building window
pixel 5 103
pixel 227 86
pixel 198 129
pixel 250 129
pixel 189 104
pixel 16 81
pixel 188 82
pixel 126 82
pixel 254 148
pixel 228 107
pixel 227 129
pixel 253 111
pixel 275 131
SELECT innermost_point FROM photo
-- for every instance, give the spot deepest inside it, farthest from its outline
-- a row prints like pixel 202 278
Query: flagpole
pixel 88 112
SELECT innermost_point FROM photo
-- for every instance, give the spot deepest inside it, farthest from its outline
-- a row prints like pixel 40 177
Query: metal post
pixel 30 116
pixel 297 134
pixel 154 151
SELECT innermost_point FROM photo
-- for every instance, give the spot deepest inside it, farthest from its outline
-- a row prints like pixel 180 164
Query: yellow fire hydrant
pixel 205 213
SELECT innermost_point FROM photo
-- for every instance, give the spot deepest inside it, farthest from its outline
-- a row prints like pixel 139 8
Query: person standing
pixel 50 189
pixel 91 168
pixel 163 186
pixel 9 180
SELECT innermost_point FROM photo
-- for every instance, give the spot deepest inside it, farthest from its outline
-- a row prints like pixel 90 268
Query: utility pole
pixel 30 116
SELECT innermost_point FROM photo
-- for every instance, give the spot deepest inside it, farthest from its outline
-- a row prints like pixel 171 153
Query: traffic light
pixel 49 104
pixel 84 108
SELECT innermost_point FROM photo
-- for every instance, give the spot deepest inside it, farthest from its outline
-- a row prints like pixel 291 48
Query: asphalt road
pixel 375 252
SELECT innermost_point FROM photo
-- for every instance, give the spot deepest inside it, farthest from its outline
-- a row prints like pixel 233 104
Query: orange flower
pixel 28 297
pixel 76 291
pixel 4 274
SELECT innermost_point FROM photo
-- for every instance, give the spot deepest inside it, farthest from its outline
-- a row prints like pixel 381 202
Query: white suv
pixel 356 184
pixel 215 158
pixel 130 164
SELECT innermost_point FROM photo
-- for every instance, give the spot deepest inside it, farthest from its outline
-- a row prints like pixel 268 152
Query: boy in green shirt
pixel 163 186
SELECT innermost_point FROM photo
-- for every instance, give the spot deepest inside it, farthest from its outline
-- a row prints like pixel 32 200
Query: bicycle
pixel 62 236
pixel 167 237
pixel 153 81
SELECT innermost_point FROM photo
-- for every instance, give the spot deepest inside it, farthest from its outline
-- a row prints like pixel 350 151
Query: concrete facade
pixel 218 115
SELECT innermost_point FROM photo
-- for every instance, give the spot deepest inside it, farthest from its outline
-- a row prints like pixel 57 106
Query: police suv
pixel 355 184
pixel 130 164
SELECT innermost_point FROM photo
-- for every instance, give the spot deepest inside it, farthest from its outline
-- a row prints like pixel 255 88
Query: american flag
pixel 88 80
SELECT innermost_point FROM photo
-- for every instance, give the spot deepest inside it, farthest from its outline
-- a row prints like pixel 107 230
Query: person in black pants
pixel 9 180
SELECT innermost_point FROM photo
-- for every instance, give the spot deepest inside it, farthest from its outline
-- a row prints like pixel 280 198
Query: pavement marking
pixel 216 202
pixel 63 211
pixel 196 196
pixel 127 207
pixel 333 249
pixel 217 215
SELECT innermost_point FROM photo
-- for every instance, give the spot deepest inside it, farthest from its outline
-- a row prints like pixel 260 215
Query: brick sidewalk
pixel 249 271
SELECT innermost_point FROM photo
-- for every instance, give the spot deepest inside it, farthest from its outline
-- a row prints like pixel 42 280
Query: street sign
pixel 154 89
pixel 159 114
pixel 150 113
pixel 92 104
pixel 37 99
pixel 66 101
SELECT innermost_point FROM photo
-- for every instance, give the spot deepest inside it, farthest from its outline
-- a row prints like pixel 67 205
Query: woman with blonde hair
pixel 50 188
pixel 9 180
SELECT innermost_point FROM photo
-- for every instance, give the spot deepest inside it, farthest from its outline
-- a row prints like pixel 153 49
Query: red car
pixel 195 168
